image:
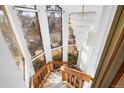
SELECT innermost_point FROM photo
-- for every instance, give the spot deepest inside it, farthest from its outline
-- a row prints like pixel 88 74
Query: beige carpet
pixel 54 81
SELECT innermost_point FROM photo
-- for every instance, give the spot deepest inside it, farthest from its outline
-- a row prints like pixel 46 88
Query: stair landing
pixel 54 81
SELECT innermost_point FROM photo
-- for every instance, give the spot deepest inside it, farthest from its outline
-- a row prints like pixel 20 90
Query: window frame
pixel 26 9
pixel 54 11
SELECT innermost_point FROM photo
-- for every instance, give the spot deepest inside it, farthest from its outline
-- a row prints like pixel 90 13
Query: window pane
pixel 30 25
pixel 55 27
pixel 71 40
pixel 72 54
pixel 26 6
pixel 55 30
pixel 72 49
pixel 39 62
pixel 11 41
pixel 57 54
pixel 54 7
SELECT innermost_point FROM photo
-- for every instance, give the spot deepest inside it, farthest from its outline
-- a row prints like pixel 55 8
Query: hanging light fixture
pixel 83 12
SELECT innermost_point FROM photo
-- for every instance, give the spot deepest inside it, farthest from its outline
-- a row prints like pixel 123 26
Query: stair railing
pixel 41 75
pixel 74 78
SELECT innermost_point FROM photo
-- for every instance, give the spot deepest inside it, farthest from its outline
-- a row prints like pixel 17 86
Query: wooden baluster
pixel 48 68
pixel 40 81
pixel 41 76
pixel 81 82
pixel 75 78
pixel 77 83
pixel 38 78
pixel 67 77
pixel 45 72
pixel 52 67
pixel 70 78
pixel 36 83
pixel 63 76
pixel 32 83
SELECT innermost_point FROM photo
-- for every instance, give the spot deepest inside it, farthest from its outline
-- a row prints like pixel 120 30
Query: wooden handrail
pixel 41 75
pixel 74 78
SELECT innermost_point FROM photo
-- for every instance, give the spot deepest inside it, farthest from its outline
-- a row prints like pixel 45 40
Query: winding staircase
pixel 59 75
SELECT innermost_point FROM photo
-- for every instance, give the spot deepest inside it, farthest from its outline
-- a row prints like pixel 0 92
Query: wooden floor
pixel 54 81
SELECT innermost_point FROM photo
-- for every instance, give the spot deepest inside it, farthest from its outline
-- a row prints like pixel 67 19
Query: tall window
pixel 12 43
pixel 54 13
pixel 31 29
pixel 72 48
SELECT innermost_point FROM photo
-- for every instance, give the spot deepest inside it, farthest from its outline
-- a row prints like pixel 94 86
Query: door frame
pixel 111 52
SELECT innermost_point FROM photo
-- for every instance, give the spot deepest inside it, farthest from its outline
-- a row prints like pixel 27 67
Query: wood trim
pixel 117 46
pixel 77 73
pixel 117 76
pixel 45 71
pixel 109 39
pixel 58 63
pixel 74 78
pixel 98 79
pixel 113 56
pixel 68 84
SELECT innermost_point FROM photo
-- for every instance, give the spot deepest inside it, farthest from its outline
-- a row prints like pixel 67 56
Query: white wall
pixel 9 74
pixel 103 28
pixel 12 15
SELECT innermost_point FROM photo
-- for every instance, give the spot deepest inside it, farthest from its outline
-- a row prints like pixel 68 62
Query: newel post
pixel 63 73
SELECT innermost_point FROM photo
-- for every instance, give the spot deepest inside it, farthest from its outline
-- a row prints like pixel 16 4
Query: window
pixel 71 40
pixel 72 54
pixel 72 48
pixel 39 62
pixel 32 34
pixel 30 25
pixel 12 43
pixel 57 54
pixel 26 6
pixel 55 29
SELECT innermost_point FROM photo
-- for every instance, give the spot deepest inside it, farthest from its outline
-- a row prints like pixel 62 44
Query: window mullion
pixel 65 35
pixel 42 16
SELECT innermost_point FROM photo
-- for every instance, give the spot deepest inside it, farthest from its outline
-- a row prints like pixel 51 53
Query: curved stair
pixel 59 75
